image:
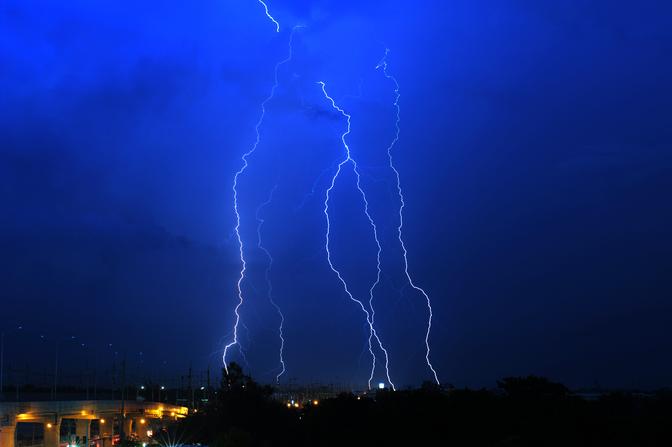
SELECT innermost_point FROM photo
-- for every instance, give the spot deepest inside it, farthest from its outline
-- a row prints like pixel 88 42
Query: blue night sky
pixel 535 155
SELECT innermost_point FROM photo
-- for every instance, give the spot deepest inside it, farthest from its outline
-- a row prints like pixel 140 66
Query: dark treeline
pixel 528 411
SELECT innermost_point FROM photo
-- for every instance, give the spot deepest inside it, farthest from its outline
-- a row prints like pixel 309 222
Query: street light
pixel 2 360
pixel 58 345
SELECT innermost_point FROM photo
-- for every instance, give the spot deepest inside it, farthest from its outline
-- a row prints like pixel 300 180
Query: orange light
pixel 289 405
pixel 296 405
pixel 83 412
pixel 142 421
pixel 49 425
pixel 172 414
pixel 102 421
pixel 315 402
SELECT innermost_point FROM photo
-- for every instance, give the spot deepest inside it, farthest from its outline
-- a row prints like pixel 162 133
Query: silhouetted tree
pixel 532 387
pixel 530 411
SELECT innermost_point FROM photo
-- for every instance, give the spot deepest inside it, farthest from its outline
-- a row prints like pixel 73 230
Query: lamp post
pixel 58 345
pixel 2 360
pixel 95 368
pixel 2 365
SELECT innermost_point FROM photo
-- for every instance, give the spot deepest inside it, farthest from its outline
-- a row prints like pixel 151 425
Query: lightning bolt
pixel 269 284
pixel 370 316
pixel 240 172
pixel 348 159
pixel 271 18
pixel 383 64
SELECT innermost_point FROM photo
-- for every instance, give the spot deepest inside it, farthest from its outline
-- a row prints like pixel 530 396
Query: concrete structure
pixel 138 418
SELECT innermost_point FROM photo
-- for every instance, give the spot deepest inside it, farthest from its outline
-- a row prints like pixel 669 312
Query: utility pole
pixel 207 395
pixel 114 377
pixel 2 361
pixel 122 418
pixel 58 347
pixel 2 365
pixel 191 388
pixel 56 372
pixel 87 373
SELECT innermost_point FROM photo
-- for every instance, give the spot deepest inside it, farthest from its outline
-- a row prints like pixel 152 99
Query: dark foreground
pixel 522 412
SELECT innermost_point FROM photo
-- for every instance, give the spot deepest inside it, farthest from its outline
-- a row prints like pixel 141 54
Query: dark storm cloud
pixel 90 129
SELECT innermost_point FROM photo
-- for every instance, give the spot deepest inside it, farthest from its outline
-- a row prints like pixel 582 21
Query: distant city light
pixel 381 386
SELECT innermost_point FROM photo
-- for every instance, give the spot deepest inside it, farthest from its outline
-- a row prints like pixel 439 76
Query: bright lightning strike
pixel 383 64
pixel 348 159
pixel 244 158
pixel 269 284
pixel 268 14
